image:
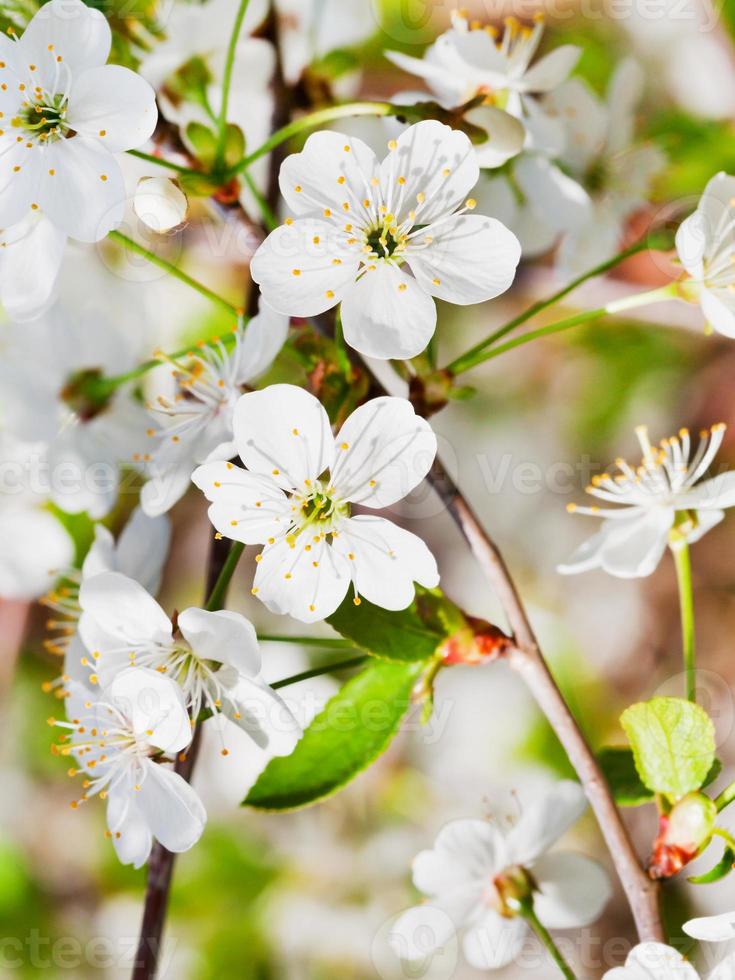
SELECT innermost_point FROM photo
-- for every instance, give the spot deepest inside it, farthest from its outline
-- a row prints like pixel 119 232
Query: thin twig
pixel 527 659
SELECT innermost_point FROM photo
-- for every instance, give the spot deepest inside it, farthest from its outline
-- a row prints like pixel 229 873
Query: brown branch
pixel 527 659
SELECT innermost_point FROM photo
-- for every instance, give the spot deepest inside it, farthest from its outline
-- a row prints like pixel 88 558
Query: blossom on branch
pixel 661 496
pixel 360 223
pixel 655 961
pixel 477 878
pixel 297 494
pixel 120 736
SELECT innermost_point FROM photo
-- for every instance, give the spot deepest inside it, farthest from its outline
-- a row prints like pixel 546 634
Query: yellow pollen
pixel 357 600
pixel 341 180
pixel 401 181
pixel 345 445
pixel 316 239
pixel 402 287
pixel 329 294
pixel 470 203
pixel 327 213
pixel 392 145
pixel 297 188
pixel 336 261
pixel 103 132
pixel 296 272
pixel 421 197
pixel 103 177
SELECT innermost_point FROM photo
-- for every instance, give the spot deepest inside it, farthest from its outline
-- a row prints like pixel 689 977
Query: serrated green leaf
pixel 618 765
pixel 354 728
pixel 410 634
pixel 673 744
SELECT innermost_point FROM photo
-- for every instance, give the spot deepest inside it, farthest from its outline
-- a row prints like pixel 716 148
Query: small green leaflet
pixel 409 635
pixel 721 870
pixel 673 744
pixel 354 728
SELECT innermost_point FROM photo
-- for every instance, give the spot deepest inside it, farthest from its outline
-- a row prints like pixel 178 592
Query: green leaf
pixel 234 145
pixel 618 765
pixel 411 634
pixel 673 744
pixel 721 869
pixel 354 728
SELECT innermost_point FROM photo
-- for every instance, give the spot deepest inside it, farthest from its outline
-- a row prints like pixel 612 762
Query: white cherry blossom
pixel 665 491
pixel 213 656
pixel 359 223
pixel 195 411
pixel 120 736
pixel 601 153
pixel 712 928
pixel 160 204
pixel 66 114
pixel 297 493
pixel 463 879
pixel 706 246
pixel 655 961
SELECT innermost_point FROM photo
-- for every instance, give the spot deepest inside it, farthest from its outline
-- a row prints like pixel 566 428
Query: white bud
pixel 160 204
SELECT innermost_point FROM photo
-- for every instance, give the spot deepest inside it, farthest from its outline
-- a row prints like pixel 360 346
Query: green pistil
pixel 382 242
pixel 44 120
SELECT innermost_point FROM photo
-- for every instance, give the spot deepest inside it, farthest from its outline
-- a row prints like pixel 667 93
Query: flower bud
pixel 683 833
pixel 160 204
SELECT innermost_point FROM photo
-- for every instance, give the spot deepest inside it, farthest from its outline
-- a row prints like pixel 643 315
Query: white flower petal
pixel 308 585
pixel 573 890
pixel 265 717
pixel 171 808
pixel 438 166
pixel 331 169
pixel 131 836
pixel 563 202
pixel 113 104
pixel 387 560
pixel 123 608
pixel 154 706
pixel 717 492
pixel 85 196
pixel 384 450
pixel 624 93
pixel 712 928
pixel 551 70
pixel 160 204
pixel 718 307
pixel 305 267
pixel 471 259
pixel 585 119
pixel 166 486
pixel 265 335
pixel 692 240
pixel 34 548
pixel 425 928
pixel 79 36
pixel 494 941
pixel 387 314
pixel 142 549
pixel 20 171
pixel 29 266
pixel 506 135
pixel 465 851
pixel 245 507
pixel 653 961
pixel 223 637
pixel 283 432
pixel 545 821
pixel 724 970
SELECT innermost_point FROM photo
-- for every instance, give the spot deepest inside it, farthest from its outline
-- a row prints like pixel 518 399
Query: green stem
pixel 629 303
pixel 324 642
pixel 217 595
pixel 227 81
pixel 726 797
pixel 683 564
pixel 544 935
pixel 178 168
pixel 724 835
pixel 318 671
pixel 311 121
pixel 133 246
pixel 468 359
pixel 269 219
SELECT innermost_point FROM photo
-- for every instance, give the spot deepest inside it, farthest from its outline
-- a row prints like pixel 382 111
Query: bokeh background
pixel 310 895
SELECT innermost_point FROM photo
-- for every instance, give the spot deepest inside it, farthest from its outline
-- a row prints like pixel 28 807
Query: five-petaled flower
pixel 120 736
pixel 477 873
pixel 213 656
pixel 297 493
pixel 706 246
pixel 661 495
pixel 65 114
pixel 360 222
pixel 655 961
pixel 196 409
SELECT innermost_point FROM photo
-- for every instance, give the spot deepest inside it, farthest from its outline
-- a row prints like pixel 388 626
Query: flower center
pixel 43 117
pixel 317 510
pixel 385 240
